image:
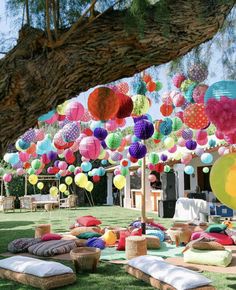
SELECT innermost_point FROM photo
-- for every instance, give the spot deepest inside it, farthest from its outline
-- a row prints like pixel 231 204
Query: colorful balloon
pixel 119 181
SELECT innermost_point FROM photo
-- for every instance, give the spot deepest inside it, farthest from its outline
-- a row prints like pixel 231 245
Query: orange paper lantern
pixel 147 78
pixel 151 86
pixel 166 109
pixel 195 116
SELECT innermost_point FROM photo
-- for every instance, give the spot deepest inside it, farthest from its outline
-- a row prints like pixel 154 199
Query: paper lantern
pixel 153 158
pixel 113 140
pixel 195 116
pixel 90 147
pixel 123 87
pixel 152 178
pixel 199 151
pixel 147 78
pixel 165 126
pixel 70 132
pixel 53 191
pixel 199 93
pixel 74 111
pixel 89 186
pixel 189 93
pixel 223 179
pixel 21 145
pixel 96 178
pixel 103 103
pixel 186 158
pixel 109 238
pixel 143 129
pixel 163 157
pixel 189 169
pixel 191 144
pixel 172 149
pixel 159 167
pixel 178 79
pixel 137 150
pixel 206 158
pixel 169 142
pixel 19 171
pixel 111 125
pixel 176 124
pixel 28 136
pixel 201 135
pixel 100 133
pixel 205 169
pixel 86 166
pixel 81 180
pixel 178 100
pixel 166 110
pixel 62 187
pixel 119 181
pixel 140 105
pixel 151 86
pixel 167 168
pixel 198 72
pixel 33 179
pixel 125 106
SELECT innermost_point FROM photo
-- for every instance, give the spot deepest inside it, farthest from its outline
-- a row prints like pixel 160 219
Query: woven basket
pixel 41 230
pixel 85 258
pixel 135 246
pixel 152 242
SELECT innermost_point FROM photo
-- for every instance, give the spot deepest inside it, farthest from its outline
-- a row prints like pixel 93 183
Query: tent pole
pixel 143 188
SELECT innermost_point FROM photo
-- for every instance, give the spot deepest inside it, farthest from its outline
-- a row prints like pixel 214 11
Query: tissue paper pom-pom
pixel 199 93
pixel 201 135
pixel 230 138
pixel 199 151
pixel 198 72
pixel 195 116
pixel 159 167
pixel 166 109
pixel 143 129
pixel 153 158
pixel 137 150
pixel 100 133
pixel 147 78
pixel 123 88
pixel 140 88
pixel 86 116
pixel 186 158
pixel 165 127
pixel 176 124
pixel 178 79
pixel 206 158
pixel 222 113
pixel 29 136
pixel 125 107
pixel 187 134
pixel 74 111
pixel 219 135
pixel 191 144
pixel 178 100
pixel 202 142
pixel 140 105
pixel 164 157
pixel 189 93
pixel 113 140
pixel 185 85
pixel 90 147
pixel 151 86
pixel 103 103
pixel 180 115
pixel 181 142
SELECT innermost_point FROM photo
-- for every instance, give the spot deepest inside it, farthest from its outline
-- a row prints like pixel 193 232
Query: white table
pixel 48 204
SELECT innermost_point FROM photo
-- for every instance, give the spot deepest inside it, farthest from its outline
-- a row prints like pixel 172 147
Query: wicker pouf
pixel 135 246
pixel 48 206
pixel 153 242
pixel 85 258
pixel 41 230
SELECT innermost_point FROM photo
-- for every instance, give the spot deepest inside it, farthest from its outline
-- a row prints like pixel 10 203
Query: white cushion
pixel 178 277
pixel 34 267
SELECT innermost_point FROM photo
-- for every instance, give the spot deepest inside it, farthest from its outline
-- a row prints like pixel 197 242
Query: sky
pixel 216 72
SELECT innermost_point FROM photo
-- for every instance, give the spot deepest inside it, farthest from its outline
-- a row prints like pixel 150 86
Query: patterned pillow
pixel 79 230
pixel 207 246
pixel 232 234
pixel 22 245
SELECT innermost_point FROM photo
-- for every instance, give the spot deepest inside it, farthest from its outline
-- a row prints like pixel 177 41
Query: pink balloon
pixel 53 119
pixel 20 171
pixel 62 165
pixel 45 159
pixel 151 166
pixel 7 177
pixel 62 172
pixel 38 171
pixel 117 171
pixel 68 153
pixel 90 147
pixel 24 156
pixel 74 111
pixel 77 170
pixel 202 142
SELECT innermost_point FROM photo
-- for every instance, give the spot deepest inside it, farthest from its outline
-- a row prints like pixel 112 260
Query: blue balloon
pixel 13 158
pixel 219 89
pixel 46 116
pixel 86 166
pixel 189 170
pixel 206 158
pixel 22 144
pixel 104 162
pixel 101 171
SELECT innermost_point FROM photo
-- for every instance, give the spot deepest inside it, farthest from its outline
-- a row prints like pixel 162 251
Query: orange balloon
pixel 103 103
pixel 166 109
pixel 31 149
pixel 151 86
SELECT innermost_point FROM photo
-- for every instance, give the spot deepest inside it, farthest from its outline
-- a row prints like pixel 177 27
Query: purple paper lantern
pixel 137 150
pixel 70 132
pixel 29 136
pixel 137 119
pixel 100 133
pixel 187 134
pixel 191 144
pixel 143 129
pixel 52 155
pixel 104 145
pixel 164 157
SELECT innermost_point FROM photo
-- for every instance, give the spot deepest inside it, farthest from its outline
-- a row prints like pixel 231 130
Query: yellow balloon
pixel 66 193
pixel 33 179
pixel 89 186
pixel 40 185
pixel 119 181
pixel 81 180
pixel 53 191
pixel 68 180
pixel 102 154
pixel 223 179
pixel 62 187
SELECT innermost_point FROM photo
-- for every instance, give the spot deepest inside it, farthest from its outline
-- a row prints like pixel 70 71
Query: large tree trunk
pixel 33 79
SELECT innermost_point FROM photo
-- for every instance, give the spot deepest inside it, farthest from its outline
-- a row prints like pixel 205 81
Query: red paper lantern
pixel 88 132
pixel 125 107
pixel 166 109
pixel 147 78
pixel 151 86
pixel 195 116
pixel 96 178
pixel 103 103
pixel 159 167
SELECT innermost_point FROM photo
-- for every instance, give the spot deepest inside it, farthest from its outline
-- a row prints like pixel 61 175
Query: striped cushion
pixel 52 248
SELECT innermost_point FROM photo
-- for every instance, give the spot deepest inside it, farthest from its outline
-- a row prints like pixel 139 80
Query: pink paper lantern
pixel 53 119
pixel 111 125
pixel 90 147
pixel 74 111
pixel 201 135
pixel 173 149
pixel 178 100
pixel 221 150
pixel 181 142
pixel 202 142
pixel 186 158
pixel 219 135
pixel 39 135
pixel 151 166
pixel 20 171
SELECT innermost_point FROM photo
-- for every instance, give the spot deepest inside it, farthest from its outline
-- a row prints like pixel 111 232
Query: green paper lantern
pixel 113 140
pixel 157 135
pixel 205 169
pixel 153 158
pixel 167 168
pixel 141 105
pixel 124 171
pixel 140 162
pixel 159 86
pixel 176 124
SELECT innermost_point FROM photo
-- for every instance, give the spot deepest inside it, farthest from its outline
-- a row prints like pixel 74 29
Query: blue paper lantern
pixel 165 127
pixel 189 170
pixel 219 89
pixel 206 158
pixel 86 166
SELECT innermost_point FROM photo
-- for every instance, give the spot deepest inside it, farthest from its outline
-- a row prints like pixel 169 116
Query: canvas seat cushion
pixel 22 245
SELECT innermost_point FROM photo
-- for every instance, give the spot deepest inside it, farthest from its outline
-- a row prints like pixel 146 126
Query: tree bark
pixel 34 79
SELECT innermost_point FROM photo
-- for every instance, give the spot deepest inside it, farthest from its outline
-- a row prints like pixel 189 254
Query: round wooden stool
pixel 135 246
pixel 41 230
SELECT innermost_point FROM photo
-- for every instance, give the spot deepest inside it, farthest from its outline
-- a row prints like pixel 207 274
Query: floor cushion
pixel 22 245
pixel 213 258
pixel 96 243
pixel 231 233
pixel 153 242
pixel 88 221
pixel 35 272
pixel 157 233
pixel 211 245
pixel 89 235
pixel 79 230
pixel 179 277
pixel 216 228
pixel 124 235
pixel 52 248
pixel 50 237
pixel 218 237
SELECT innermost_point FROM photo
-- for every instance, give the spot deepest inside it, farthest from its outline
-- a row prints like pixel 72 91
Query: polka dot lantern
pixel 137 150
pixel 123 87
pixel 28 136
pixel 166 110
pixel 100 133
pixel 178 79
pixel 195 116
pixel 143 129
pixel 187 134
pixel 70 132
pixel 113 140
pixel 199 93
pixel 197 72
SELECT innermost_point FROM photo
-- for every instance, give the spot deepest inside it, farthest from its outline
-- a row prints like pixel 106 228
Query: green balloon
pixel 113 140
pixel 124 171
pixel 36 164
pixel 167 168
pixel 31 171
pixel 153 158
pixel 71 168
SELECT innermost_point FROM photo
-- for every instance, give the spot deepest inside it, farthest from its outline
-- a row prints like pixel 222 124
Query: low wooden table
pixel 48 205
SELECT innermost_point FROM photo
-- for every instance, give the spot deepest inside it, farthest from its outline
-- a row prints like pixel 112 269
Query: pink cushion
pixel 124 235
pixel 156 225
pixel 88 221
pixel 219 238
pixel 49 237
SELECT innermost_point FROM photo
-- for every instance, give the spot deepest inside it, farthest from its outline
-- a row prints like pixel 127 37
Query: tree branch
pixel 55 22
pixel 48 26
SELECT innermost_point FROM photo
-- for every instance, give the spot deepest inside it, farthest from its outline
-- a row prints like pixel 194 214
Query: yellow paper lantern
pixel 68 180
pixel 40 185
pixel 53 191
pixel 223 179
pixel 62 187
pixel 119 181
pixel 33 179
pixel 81 180
pixel 140 105
pixel 109 237
pixel 169 142
pixel 89 186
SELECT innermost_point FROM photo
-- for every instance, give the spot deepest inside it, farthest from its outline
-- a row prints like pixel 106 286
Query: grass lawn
pixel 108 276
